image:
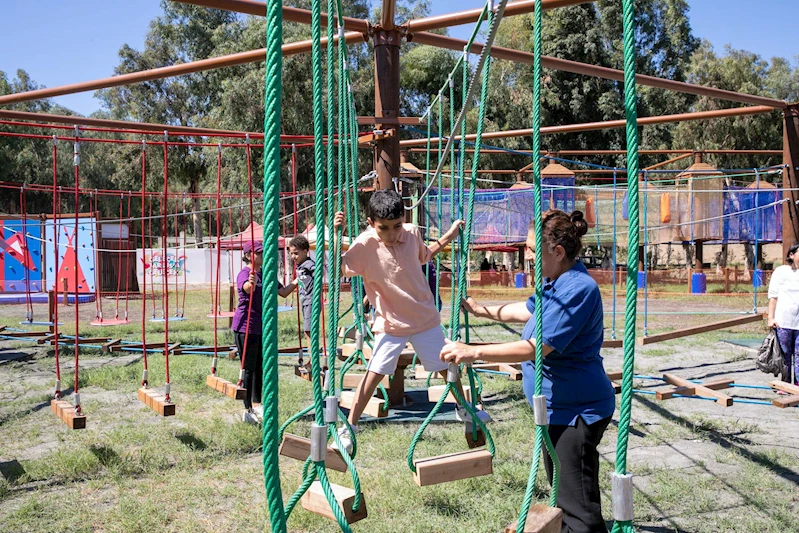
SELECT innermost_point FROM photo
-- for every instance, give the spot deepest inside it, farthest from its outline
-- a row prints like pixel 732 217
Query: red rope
pixel 76 163
pixel 218 242
pixel 24 211
pixel 165 210
pixel 127 263
pixel 56 229
pixel 296 231
pixel 145 381
pixel 98 301
pixel 119 259
pixel 252 247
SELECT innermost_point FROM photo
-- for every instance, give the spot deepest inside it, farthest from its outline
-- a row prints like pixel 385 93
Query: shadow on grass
pixel 105 454
pixel 190 440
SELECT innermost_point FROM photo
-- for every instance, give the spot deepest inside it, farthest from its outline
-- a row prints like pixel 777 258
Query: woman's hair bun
pixel 580 225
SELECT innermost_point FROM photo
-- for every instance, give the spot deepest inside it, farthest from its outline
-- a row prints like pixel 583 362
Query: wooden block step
pixel 514 370
pixel 28 334
pixel 373 408
pixel 716 384
pixel 405 358
pixel 66 412
pixel 785 401
pixel 351 381
pixel 452 467
pixel 421 373
pixel 300 448
pixel 314 500
pixel 303 371
pixel 156 402
pixel 540 519
pixel 226 387
pixel 435 392
pixel 785 387
pixel 471 441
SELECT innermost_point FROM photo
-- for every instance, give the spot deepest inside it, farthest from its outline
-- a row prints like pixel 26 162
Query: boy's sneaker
pixel 462 415
pixel 249 418
pixel 258 411
pixel 345 437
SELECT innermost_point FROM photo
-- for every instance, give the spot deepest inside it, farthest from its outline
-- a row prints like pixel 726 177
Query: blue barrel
pixel 641 279
pixel 698 283
pixel 759 279
pixel 521 280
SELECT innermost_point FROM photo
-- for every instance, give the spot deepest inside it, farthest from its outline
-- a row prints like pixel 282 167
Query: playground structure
pixel 695 211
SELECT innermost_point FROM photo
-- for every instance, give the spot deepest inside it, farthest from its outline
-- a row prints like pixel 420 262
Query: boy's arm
pixel 288 289
pixel 346 270
pixel 445 239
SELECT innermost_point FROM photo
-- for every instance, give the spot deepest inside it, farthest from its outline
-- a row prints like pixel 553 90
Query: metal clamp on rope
pixel 55 140
pixel 57 386
pixel 213 365
pixel 144 376
pixel 166 136
pixel 451 82
pixel 331 409
pixel 325 380
pixel 241 375
pixel 359 340
pixel 491 6
pixel 167 387
pixel 622 496
pixel 341 32
pixel 453 373
pixel 318 442
pixel 540 410
pixel 77 399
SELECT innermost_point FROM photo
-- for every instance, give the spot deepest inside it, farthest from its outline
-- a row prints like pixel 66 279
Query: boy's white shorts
pixel 427 344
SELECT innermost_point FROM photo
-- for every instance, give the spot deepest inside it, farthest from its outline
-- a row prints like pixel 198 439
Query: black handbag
pixel 769 356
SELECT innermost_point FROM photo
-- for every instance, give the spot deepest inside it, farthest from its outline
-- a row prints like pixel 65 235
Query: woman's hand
pixel 772 323
pixel 338 219
pixel 457 352
pixel 470 306
pixel 252 278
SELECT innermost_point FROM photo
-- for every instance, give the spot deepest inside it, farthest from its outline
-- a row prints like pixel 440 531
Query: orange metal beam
pixel 241 58
pixel 450 43
pixel 610 124
pixel 614 152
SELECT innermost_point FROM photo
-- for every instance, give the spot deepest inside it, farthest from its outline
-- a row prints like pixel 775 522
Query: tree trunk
pixel 689 255
pixel 749 252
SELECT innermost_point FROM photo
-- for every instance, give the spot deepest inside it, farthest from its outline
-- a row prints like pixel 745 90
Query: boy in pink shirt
pixel 388 256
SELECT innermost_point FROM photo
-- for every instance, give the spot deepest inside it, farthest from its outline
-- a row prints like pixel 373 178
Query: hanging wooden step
pixel 352 380
pixel 452 467
pixel 785 401
pixel 540 519
pixel 420 373
pixel 225 387
pixel 471 441
pixel 300 448
pixel 66 412
pixel 303 371
pixel 314 500
pixel 157 402
pixel 436 391
pixel 373 408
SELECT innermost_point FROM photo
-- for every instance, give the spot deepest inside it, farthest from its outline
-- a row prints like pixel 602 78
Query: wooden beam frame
pixel 698 389
pixel 685 332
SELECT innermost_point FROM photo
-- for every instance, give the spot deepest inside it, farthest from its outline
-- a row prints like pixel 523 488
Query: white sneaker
pixel 249 418
pixel 345 437
pixel 462 415
pixel 258 411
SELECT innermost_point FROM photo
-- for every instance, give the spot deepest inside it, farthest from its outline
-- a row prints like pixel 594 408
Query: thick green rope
pixel 438 197
pixel 628 369
pixel 541 432
pixel 272 96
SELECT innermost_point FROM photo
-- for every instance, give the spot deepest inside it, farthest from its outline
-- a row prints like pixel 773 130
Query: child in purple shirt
pixel 247 326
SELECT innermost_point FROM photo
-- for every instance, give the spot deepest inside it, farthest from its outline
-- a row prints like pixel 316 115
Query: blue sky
pixel 66 41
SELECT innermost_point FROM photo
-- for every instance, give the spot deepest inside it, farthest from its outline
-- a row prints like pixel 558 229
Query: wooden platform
pixel 225 387
pixel 66 412
pixel 540 519
pixel 689 388
pixel 314 500
pixel 396 388
pixel 157 402
pixel 785 401
pixel 373 408
pixel 300 448
pixel 452 467
pixel 685 332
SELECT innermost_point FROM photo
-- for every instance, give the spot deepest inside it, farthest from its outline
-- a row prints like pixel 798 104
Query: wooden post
pixel 641 258
pixel 699 256
pixel 790 177
pixel 66 294
pixel 230 303
pixel 726 280
pixel 51 310
pixel 387 92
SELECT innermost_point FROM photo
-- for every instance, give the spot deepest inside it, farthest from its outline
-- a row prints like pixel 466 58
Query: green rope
pixel 541 431
pixel 628 367
pixel 334 288
pixel 272 96
pixel 438 199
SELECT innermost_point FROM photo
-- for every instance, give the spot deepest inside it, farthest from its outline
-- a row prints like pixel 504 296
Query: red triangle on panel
pixel 66 269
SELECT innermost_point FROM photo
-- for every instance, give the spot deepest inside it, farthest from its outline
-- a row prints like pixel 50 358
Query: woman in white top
pixel 783 311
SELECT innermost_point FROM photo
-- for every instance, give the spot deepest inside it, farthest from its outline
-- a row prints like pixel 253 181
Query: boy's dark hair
pixel 387 205
pixel 300 242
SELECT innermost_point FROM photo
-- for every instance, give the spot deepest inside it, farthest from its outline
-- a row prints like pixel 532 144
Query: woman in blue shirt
pixel 580 398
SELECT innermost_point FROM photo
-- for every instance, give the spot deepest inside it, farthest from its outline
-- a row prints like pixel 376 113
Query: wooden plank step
pixel 347 349
pixel 107 345
pixel 303 371
pixel 66 412
pixel 225 387
pixel 699 389
pixel 610 343
pixel 540 519
pixel 314 500
pixel 514 370
pixel 721 324
pixel 373 408
pixel 434 393
pixel 420 373
pixel 471 441
pixel 300 448
pixel 157 402
pixel 785 401
pixel 783 386
pixel 452 467
pixel 25 334
pixel 46 339
pixel 716 384
pixel 352 381
pixel 138 346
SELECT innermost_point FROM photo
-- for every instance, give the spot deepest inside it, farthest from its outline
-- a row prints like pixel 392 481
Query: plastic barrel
pixel 641 279
pixel 521 280
pixel 699 283
pixel 759 279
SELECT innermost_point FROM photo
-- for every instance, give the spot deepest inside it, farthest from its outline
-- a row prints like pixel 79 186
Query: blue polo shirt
pixel 575 383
